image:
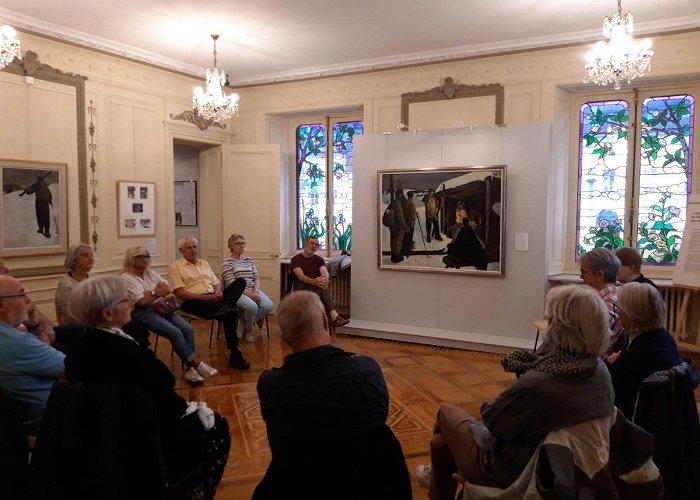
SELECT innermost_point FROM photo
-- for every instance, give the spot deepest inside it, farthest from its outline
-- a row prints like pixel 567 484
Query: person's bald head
pixel 303 321
pixel 14 302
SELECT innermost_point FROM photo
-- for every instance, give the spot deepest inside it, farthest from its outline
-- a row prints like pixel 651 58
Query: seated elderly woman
pixel 145 287
pixel 108 355
pixel 599 268
pixel 79 261
pixel 563 387
pixel 253 302
pixel 652 348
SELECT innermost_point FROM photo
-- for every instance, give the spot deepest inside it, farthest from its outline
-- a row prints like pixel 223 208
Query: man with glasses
pixel 311 274
pixel 199 290
pixel 28 366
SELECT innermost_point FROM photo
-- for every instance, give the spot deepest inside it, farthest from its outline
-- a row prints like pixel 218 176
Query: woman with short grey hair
pixel 79 261
pixel 192 446
pixel 651 347
pixel 599 268
pixel 565 386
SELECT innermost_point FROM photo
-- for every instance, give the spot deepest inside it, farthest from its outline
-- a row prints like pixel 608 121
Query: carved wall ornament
pixel 451 90
pixel 92 146
pixel 194 118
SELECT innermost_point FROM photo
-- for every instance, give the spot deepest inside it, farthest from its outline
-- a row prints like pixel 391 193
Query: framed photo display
pixel 443 220
pixel 33 208
pixel 136 208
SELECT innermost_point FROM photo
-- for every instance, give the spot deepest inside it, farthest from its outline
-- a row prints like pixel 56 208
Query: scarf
pixel 558 361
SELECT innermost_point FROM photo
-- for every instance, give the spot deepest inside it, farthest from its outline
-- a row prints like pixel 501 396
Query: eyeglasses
pixel 143 257
pixel 128 299
pixel 22 294
pixel 241 243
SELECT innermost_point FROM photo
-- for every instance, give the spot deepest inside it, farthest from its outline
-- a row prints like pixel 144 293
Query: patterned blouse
pixel 239 268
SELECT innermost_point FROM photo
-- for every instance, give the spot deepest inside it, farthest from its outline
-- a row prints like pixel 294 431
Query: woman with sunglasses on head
pixel 79 261
pixel 254 304
pixel 145 287
pixel 192 446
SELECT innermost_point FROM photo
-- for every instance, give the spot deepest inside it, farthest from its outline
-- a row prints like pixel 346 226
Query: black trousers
pixel 224 310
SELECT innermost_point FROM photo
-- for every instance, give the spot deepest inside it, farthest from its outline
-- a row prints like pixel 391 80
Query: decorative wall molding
pixel 195 119
pixel 92 146
pixel 451 90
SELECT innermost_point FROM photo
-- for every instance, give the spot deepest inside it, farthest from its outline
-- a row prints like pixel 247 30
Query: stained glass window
pixel 664 180
pixel 315 177
pixel 660 179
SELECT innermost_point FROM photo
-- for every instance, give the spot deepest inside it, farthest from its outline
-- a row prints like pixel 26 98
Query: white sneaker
pixel 249 338
pixel 193 376
pixel 423 475
pixel 205 370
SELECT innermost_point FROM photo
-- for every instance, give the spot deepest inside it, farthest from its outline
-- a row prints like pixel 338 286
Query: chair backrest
pixel 98 441
pixel 665 407
pixel 14 450
pixel 363 465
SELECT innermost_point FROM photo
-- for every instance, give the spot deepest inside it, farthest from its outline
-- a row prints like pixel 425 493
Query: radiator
pixel 673 297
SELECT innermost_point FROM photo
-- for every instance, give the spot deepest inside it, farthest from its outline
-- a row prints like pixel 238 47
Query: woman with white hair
pixel 651 347
pixel 106 354
pixel 79 261
pixel 145 287
pixel 565 386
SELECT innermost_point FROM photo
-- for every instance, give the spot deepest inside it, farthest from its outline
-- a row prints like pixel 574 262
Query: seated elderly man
pixel 325 398
pixel 311 274
pixel 28 366
pixel 199 290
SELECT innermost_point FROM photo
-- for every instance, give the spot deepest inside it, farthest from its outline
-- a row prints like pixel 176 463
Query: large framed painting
pixel 33 208
pixel 443 220
pixel 136 208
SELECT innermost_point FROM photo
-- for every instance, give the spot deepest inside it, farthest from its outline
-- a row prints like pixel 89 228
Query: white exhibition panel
pixel 445 309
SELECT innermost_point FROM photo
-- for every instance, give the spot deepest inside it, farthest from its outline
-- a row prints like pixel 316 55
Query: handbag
pixel 166 305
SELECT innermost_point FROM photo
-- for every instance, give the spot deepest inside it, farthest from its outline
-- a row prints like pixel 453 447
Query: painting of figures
pixel 448 220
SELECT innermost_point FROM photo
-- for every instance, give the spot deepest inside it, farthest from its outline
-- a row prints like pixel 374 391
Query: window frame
pixel 328 120
pixel 633 161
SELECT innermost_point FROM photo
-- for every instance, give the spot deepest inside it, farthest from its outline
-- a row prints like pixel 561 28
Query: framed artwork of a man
pixel 33 208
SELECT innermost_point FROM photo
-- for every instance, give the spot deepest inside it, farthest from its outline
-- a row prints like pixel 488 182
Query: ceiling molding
pixel 31 25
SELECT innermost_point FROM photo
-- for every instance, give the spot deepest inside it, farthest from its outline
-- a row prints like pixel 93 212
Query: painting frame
pixel 436 198
pixel 136 203
pixel 47 184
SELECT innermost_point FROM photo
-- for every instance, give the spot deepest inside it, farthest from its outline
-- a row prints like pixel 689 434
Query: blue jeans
pixel 252 311
pixel 178 331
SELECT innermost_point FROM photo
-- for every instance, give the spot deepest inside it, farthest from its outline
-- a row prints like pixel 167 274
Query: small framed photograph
pixel 136 208
pixel 33 208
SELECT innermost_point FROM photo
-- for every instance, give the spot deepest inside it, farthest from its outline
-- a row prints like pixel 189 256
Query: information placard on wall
pixel 185 203
pixel 687 271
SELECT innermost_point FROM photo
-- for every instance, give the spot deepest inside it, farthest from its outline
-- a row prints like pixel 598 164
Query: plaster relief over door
pixel 250 190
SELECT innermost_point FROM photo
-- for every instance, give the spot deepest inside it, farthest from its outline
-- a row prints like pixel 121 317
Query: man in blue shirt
pixel 28 366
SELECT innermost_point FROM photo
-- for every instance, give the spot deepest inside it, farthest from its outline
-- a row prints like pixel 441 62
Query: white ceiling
pixel 266 41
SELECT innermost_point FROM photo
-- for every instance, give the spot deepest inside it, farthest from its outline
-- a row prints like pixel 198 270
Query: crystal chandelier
pixel 214 104
pixel 9 46
pixel 621 58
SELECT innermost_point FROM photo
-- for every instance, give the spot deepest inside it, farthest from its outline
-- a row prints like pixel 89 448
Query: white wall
pixel 468 311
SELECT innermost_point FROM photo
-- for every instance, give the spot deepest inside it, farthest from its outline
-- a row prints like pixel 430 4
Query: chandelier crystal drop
pixel 621 58
pixel 9 46
pixel 213 104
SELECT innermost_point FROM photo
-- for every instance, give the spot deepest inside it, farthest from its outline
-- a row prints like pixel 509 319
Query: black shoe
pixel 428 240
pixel 438 238
pixel 47 234
pixel 237 361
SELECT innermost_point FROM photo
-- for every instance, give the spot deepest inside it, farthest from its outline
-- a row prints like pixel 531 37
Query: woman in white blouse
pixel 145 286
pixel 254 304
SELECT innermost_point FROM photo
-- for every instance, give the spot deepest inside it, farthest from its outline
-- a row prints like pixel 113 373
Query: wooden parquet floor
pixel 419 377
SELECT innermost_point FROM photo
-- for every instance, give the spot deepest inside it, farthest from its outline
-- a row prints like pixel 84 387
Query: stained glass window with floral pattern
pixel 322 184
pixel 653 184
